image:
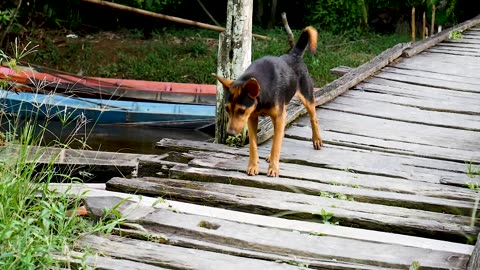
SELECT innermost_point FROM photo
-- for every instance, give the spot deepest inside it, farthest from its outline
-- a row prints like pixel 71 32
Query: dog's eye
pixel 240 111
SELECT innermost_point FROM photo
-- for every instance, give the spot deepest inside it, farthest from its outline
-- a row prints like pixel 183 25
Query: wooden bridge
pixel 389 190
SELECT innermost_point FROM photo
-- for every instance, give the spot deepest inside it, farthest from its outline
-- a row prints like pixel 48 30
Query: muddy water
pixel 113 138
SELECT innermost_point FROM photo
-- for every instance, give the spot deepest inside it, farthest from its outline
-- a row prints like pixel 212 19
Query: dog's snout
pixel 231 131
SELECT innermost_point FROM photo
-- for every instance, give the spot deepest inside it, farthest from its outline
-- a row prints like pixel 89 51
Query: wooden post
pixel 413 25
pixel 424 26
pixel 234 54
pixel 474 262
pixel 432 22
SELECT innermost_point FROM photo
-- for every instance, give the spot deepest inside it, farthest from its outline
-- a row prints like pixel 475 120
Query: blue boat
pixel 105 111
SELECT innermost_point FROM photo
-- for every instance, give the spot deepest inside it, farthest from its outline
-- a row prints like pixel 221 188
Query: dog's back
pixel 281 77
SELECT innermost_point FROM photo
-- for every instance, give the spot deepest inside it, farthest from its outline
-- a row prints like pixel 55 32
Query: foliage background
pixel 331 15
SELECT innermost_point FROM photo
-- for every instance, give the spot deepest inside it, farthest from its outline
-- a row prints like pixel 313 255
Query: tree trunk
pixel 234 54
pixel 273 12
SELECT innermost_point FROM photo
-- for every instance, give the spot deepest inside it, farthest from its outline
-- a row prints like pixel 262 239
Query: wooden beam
pixel 439 37
pixel 234 55
pixel 165 17
pixel 335 88
pixel 474 263
pixel 414 31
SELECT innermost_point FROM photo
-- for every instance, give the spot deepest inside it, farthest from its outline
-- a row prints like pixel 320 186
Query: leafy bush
pixel 338 15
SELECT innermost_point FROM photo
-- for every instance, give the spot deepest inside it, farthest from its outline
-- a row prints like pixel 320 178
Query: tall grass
pixel 36 223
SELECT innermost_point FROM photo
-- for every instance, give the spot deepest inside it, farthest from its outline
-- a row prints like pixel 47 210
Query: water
pixel 112 138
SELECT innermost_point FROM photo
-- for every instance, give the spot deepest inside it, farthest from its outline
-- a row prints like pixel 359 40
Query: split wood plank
pixel 474 263
pixel 457 145
pixel 439 103
pixel 405 113
pixel 332 158
pixel 101 262
pixel 173 257
pixel 435 39
pixel 334 136
pixel 458 46
pixel 433 75
pixel 418 91
pixel 447 48
pixel 337 87
pixel 445 58
pixel 247 240
pixel 437 83
pixel 453 52
pixel 463 41
pixel 207 172
pixel 268 221
pixel 346 178
pixel 304 207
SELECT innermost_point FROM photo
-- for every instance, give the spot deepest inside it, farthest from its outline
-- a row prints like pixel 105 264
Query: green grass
pixel 35 222
pixel 191 55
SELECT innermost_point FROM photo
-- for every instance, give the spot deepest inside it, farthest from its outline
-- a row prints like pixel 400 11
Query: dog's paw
pixel 252 169
pixel 272 170
pixel 317 143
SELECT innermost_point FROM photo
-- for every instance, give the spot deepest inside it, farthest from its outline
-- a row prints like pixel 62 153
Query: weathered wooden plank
pixel 346 177
pixel 433 75
pixel 405 113
pixel 474 263
pixel 467 61
pixel 435 39
pixel 396 132
pixel 101 262
pixel 335 136
pixel 267 221
pixel 376 163
pixel 458 45
pixel 397 96
pixel 402 89
pixel 437 83
pixel 173 257
pixel 453 52
pixel 340 70
pixel 468 71
pixel 334 89
pixel 463 41
pixel 446 47
pixel 86 164
pixel 272 244
pixel 333 157
pixel 209 173
pixel 301 206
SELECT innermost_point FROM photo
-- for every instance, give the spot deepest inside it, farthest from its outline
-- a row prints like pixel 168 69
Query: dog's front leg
pixel 252 137
pixel 278 132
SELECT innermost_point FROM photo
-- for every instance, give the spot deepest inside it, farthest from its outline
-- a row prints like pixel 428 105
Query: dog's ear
pixel 225 82
pixel 252 87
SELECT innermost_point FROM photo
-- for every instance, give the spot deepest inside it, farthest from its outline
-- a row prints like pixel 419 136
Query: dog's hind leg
pixel 310 106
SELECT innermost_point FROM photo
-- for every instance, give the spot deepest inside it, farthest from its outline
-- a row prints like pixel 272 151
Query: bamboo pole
pixel 413 25
pixel 432 23
pixel 165 17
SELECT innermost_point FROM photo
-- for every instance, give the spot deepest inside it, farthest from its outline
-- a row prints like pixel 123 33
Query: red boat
pixel 48 81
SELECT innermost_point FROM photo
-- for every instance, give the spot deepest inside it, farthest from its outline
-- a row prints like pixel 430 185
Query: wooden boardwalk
pixel 388 190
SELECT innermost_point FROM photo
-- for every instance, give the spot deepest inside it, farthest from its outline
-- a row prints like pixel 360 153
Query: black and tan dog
pixel 265 88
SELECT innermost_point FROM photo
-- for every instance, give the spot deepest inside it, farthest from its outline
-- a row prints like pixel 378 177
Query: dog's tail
pixel 308 37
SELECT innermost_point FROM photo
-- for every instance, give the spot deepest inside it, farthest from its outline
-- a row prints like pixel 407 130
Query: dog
pixel 265 88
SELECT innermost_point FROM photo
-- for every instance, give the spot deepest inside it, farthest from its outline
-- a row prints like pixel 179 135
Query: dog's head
pixel 240 101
